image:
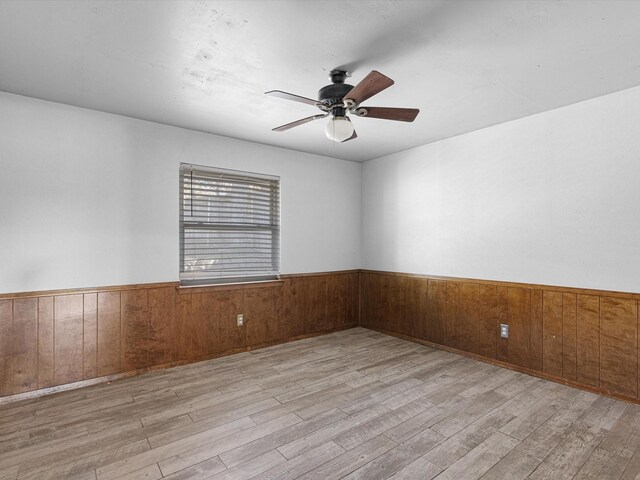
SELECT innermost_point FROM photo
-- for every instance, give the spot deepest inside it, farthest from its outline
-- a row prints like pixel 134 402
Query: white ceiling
pixel 204 65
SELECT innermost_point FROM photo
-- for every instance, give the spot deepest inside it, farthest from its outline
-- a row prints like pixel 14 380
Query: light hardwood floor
pixel 354 404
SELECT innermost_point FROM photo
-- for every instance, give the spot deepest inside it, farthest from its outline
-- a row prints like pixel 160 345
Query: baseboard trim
pixel 510 366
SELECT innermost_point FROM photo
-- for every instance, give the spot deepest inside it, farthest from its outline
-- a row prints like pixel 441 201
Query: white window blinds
pixel 229 225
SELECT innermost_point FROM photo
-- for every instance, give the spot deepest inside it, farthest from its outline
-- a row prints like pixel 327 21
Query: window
pixel 229 226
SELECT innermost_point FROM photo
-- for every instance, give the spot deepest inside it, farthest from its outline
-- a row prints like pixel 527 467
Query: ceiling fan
pixel 339 99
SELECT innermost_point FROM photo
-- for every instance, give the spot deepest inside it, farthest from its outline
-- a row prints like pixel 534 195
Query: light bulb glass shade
pixel 339 129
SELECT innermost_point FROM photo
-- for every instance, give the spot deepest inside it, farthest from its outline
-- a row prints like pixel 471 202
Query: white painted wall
pixel 90 199
pixel 552 199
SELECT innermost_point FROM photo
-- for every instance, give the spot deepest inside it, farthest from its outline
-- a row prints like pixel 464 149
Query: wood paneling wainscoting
pixel 55 340
pixel 51 341
pixel 584 338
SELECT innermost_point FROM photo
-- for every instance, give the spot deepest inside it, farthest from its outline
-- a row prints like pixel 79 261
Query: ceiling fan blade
pixel 372 84
pixel 355 135
pixel 291 96
pixel 287 126
pixel 386 113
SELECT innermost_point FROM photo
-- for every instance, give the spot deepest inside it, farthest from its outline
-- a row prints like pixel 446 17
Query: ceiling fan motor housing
pixel 333 94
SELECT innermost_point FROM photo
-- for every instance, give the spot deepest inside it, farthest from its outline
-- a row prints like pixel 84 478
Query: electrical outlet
pixel 504 330
pixel 240 319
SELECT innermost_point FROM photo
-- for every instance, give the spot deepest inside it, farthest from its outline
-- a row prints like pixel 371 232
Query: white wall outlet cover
pixel 504 330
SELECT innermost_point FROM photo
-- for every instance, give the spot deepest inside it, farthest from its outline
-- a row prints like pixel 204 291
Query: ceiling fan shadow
pixel 403 33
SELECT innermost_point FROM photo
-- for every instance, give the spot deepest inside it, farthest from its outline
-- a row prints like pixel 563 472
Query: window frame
pixel 210 277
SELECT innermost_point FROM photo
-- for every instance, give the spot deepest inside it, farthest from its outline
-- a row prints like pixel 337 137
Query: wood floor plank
pixel 380 395
pixel 200 425
pixel 525 457
pixel 478 408
pixel 602 465
pixel 632 470
pixel 281 437
pixel 253 467
pixel 80 445
pixel 216 400
pixel 200 451
pixel 612 456
pixel 167 453
pixel 570 455
pixel 354 404
pixel 420 469
pixel 318 437
pixel 89 464
pixel 83 476
pixel 398 457
pixel 199 471
pixel 468 438
pixel 473 465
pixel 152 472
pixel 9 473
pixel 351 460
pixel 302 463
pixel 528 421
pixel 360 434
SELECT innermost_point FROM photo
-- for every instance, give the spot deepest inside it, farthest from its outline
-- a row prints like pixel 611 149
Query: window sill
pixel 184 289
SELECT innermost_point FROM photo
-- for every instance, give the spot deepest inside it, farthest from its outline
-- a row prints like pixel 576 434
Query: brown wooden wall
pixel 53 339
pixel 584 337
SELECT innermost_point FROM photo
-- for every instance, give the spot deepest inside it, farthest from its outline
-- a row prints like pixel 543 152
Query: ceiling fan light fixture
pixel 339 129
pixel 339 98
